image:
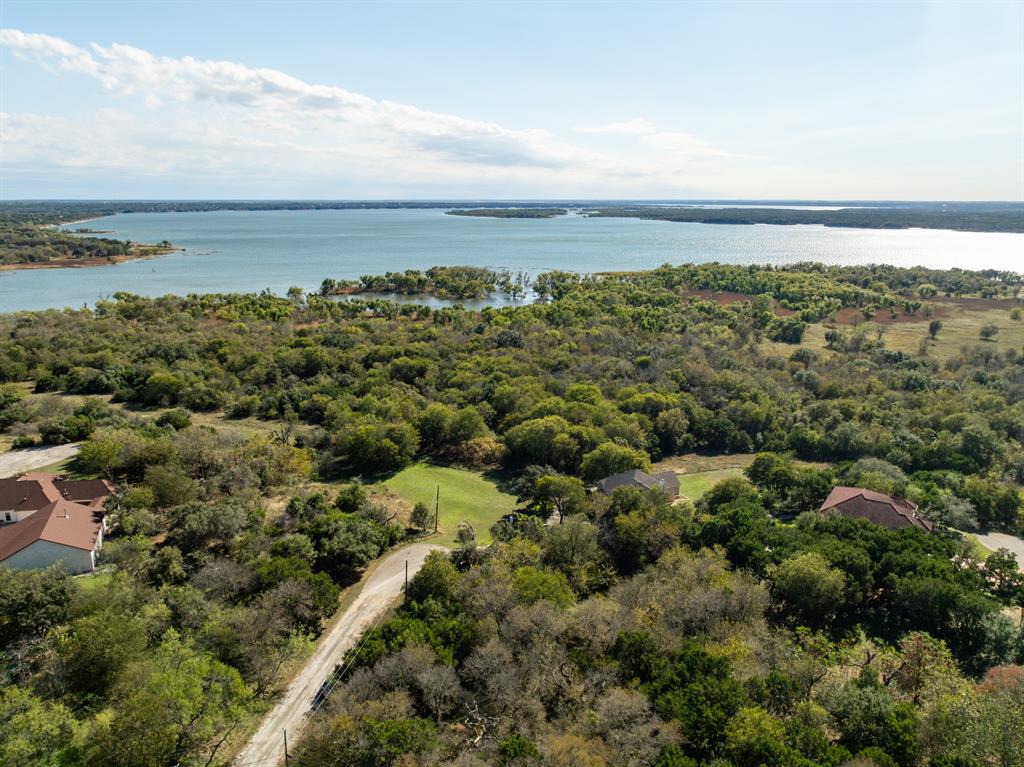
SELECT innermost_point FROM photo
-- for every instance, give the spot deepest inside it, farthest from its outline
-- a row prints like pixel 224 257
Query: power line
pixel 332 681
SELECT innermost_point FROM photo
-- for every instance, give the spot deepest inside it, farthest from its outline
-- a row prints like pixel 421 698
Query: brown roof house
pixel 886 510
pixel 45 520
pixel 663 480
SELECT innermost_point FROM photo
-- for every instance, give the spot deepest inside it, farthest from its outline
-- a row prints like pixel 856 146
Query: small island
pixel 509 212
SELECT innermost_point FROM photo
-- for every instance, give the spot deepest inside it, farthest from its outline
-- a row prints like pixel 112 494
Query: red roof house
pixel 46 520
pixel 886 510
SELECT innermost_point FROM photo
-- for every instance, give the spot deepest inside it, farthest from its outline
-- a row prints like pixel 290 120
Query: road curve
pixel 378 591
pixel 17 461
pixel 1003 541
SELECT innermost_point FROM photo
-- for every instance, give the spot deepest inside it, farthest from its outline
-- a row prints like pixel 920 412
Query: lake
pixel 244 251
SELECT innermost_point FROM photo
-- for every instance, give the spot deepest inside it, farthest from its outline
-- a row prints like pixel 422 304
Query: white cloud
pixel 637 126
pixel 214 118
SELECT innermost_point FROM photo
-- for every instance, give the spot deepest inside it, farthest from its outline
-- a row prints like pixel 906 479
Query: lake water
pixel 243 251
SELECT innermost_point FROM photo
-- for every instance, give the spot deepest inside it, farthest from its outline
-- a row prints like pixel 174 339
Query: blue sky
pixel 513 100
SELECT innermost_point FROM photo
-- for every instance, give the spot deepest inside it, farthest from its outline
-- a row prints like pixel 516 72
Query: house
pixel 666 481
pixel 886 510
pixel 20 497
pixel 50 520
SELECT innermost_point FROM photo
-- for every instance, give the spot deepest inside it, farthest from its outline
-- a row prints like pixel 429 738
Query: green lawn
pixel 977 547
pixel 96 581
pixel 699 473
pixel 693 486
pixel 465 496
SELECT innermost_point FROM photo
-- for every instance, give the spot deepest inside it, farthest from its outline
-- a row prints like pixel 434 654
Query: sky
pixel 325 100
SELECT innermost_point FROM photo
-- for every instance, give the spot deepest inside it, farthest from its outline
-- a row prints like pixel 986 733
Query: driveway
pixel 378 592
pixel 1003 541
pixel 18 461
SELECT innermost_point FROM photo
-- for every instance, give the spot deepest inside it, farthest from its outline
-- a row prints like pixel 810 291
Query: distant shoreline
pixel 999 217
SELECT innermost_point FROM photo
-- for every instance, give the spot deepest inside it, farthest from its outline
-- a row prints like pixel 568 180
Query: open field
pixel 693 486
pixel 962 319
pixel 465 496
pixel 960 326
pixel 699 473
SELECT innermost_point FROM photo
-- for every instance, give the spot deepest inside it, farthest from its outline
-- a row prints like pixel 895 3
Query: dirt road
pixel 16 461
pixel 379 590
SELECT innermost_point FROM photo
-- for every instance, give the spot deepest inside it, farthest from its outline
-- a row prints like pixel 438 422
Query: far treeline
pixel 509 212
pixel 976 217
pixel 244 432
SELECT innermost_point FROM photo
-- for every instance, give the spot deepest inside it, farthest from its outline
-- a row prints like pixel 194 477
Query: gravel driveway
pixel 18 461
pixel 266 748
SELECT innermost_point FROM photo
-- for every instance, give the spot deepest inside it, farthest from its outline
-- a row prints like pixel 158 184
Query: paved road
pixel 266 748
pixel 18 461
pixel 1003 541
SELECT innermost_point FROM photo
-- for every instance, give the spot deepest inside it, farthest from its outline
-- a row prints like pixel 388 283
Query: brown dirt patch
pixel 726 297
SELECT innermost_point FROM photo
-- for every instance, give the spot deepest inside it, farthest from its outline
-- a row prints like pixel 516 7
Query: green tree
pixel 437 581
pixel 33 601
pixel 809 588
pixel 98 647
pixel 533 585
pixel 566 495
pixel 167 706
pixel 422 517
pixel 346 543
pixel 35 732
pixel 610 458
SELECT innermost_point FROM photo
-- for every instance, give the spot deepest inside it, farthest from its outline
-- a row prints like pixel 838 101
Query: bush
pixel 177 419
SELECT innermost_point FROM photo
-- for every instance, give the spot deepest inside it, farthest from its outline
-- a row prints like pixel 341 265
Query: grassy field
pixel 693 486
pixel 699 473
pixel 960 328
pixel 962 319
pixel 465 496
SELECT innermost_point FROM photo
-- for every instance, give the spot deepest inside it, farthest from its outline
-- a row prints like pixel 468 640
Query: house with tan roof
pixel 46 519
pixel 886 510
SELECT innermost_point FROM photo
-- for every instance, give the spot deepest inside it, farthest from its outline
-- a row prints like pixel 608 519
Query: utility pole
pixel 285 733
pixel 437 506
pixel 406 581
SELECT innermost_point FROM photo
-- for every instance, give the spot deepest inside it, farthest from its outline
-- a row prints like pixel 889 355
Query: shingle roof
pixel 35 490
pixel 665 480
pixel 64 522
pixel 882 509
pixel 21 494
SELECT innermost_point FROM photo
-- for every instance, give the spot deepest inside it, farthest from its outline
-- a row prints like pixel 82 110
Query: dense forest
pixel 740 630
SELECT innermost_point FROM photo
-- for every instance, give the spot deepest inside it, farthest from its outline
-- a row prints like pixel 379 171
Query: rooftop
pixel 63 522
